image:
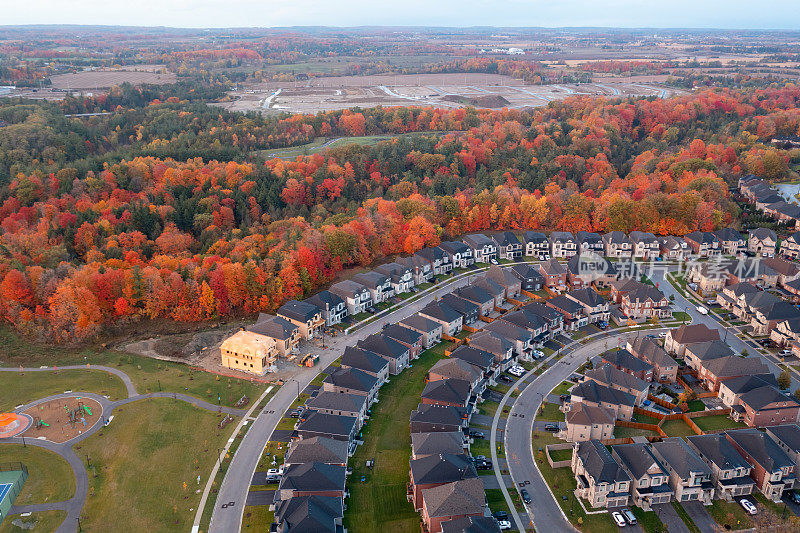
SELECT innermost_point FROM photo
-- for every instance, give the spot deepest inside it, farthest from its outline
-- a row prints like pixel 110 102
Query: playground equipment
pixel 309 360
pixel 12 424
pixel 38 423
pixel 76 415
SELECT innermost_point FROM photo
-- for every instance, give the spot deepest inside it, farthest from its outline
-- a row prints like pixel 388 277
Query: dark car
pixel 475 434
pixel 500 515
pixel 525 496
pixel 794 497
pixel 551 427
pixel 505 378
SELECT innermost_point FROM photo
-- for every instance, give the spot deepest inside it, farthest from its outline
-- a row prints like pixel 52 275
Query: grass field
pixel 730 515
pixel 550 413
pixel 50 478
pixel 561 455
pixel 677 428
pixel 43 521
pixel 150 458
pixel 379 504
pixel 21 388
pixel 496 501
pixel 257 519
pixel 622 432
pixel 563 388
pixel 717 422
pixel 148 375
pixel 696 405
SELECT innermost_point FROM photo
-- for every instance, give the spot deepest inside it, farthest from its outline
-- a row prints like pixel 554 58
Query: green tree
pixel 784 380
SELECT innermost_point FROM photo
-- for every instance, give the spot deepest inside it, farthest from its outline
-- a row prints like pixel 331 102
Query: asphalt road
pixel 236 483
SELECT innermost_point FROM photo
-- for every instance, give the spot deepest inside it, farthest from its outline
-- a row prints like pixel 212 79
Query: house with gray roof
pixel 762 241
pixel 379 285
pixel 352 381
pixel 787 437
pixel 554 274
pixel 435 470
pixel 508 246
pixel 617 244
pixel 332 306
pixel 317 424
pixel 497 345
pixel 460 254
pixel 649 479
pixel 436 443
pixel 397 354
pixel 337 403
pixel 618 402
pixel 431 330
pixel 476 357
pixel 285 334
pixel 536 245
pixel 700 352
pixel 534 323
pixel 573 311
pixel 471 524
pixel 530 278
pixel 309 514
pixel 665 368
pixel 689 476
pixel 773 470
pixel 450 319
pixel 469 311
pixel 600 478
pixel 506 279
pixel 563 244
pixel 407 337
pixel 673 248
pixel 731 241
pixel 478 296
pixel 609 376
pixel 400 276
pixel 715 371
pixel 489 285
pixel 730 472
pixel 590 242
pixel 366 361
pixel 317 449
pixel 305 315
pixel 732 389
pixel 438 258
pixel 483 248
pixel 356 296
pixel 459 499
pixel 677 339
pixel 311 479
pixel 645 244
pixel 449 368
pixel 766 405
pixel 521 338
pixel 586 268
pixel 421 268
pixel 430 418
pixel 625 361
pixel 455 392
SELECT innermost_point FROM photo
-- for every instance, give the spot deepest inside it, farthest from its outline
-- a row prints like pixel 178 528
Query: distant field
pixel 320 144
pixel 103 79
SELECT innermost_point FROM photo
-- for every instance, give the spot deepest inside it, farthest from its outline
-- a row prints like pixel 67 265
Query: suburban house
pixel 639 300
pixel 554 274
pixel 508 246
pixel 731 241
pixel 665 368
pixel 530 278
pixel 457 369
pixel 730 472
pixel 732 389
pixel 589 267
pixel 495 344
pixel 649 479
pixel 285 334
pixel 689 476
pixel 595 307
pixel 435 470
pixel 316 450
pixel 787 437
pixel 460 254
pixel 332 306
pixel 421 269
pixel 489 285
pixel 574 317
pixel 762 241
pixel 787 271
pixel 407 337
pixel 455 392
pixel 483 248
pixel 703 244
pixel 249 352
pixel 478 296
pixel 783 211
pixel 766 406
pixel 536 245
pixel 587 422
pixel 400 276
pixel 757 271
pixel 366 361
pixel 311 479
pixel 431 330
pixel 506 279
pixel 397 354
pixel 617 244
pixel 322 514
pixel 766 319
pixel 478 358
pixel 450 319
pixel 470 524
pixel 790 246
pixel 451 501
pixel 521 338
pixel 734 297
pixel 563 244
pixel 699 353
pixel 673 248
pixel 352 381
pixel 626 362
pixel 436 443
pixel 590 242
pixel 677 339
pixel 438 258
pixel 430 418
pixel 617 402
pixel 336 403
pixel 552 318
pixel 356 296
pixel 379 285
pixel 316 424
pixel 304 315
pixel 645 245
pixel 601 480
pixel 773 470
pixel 469 311
pixel 714 372
pixel 609 376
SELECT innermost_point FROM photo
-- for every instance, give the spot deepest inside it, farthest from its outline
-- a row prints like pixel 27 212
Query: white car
pixel 538 354
pixel 618 519
pixel 516 371
pixel 504 525
pixel 702 310
pixel 662 334
pixel 749 506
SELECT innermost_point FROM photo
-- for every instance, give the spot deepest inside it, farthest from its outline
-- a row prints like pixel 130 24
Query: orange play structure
pixel 12 424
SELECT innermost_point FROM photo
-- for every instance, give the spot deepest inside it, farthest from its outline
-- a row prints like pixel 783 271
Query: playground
pixel 12 424
pixel 63 419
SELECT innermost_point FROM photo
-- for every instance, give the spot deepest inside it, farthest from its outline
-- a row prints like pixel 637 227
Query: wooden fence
pixel 663 403
pixel 648 412
pixel 531 295
pixel 640 425
pixel 558 464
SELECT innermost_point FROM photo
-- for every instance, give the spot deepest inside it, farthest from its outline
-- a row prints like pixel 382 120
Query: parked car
pixel 516 371
pixel 475 434
pixel 794 497
pixel 505 378
pixel 785 352
pixel 702 310
pixel 749 506
pixel 629 516
pixel 500 515
pixel 551 427
pixel 525 496
pixel 618 518
pixel 602 324
pixel 494 261
pixel 504 525
pixel 538 354
pixel 662 334
pixel 483 465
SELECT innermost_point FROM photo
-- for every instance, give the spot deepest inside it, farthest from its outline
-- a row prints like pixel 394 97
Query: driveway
pixel 669 516
pixel 698 513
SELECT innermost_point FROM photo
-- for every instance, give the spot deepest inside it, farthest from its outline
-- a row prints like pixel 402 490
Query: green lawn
pixel 149 458
pixel 550 413
pixel 496 501
pixel 43 521
pixel 380 504
pixel 623 432
pixel 730 514
pixel 648 520
pixel 50 478
pixel 717 422
pixel 685 517
pixel 488 408
pixel 677 428
pixel 562 483
pixel 561 455
pixel 644 419
pixel 563 388
pixel 682 316
pixel 696 405
pixel 21 388
pixel 257 519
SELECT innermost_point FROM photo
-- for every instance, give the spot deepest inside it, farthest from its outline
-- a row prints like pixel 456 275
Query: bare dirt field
pixel 54 413
pixel 103 79
pixel 436 90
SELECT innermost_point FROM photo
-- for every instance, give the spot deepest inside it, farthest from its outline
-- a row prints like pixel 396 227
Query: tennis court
pixel 12 477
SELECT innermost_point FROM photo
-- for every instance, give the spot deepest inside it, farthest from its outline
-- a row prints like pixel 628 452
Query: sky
pixel 737 14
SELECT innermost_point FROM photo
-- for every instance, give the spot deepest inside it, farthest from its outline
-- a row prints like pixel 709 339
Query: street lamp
pixel 298 386
pixel 685 315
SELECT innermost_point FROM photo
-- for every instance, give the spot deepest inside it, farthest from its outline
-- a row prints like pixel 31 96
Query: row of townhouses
pixel 768 200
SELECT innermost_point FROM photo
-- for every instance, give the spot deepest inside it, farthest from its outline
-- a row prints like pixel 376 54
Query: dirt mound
pixel 492 101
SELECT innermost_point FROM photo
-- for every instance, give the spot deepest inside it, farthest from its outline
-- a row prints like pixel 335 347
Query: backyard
pixel 379 504
pixel 717 422
pixel 677 428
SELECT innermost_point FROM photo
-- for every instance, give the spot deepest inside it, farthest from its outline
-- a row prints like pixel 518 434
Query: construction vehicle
pixel 309 360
